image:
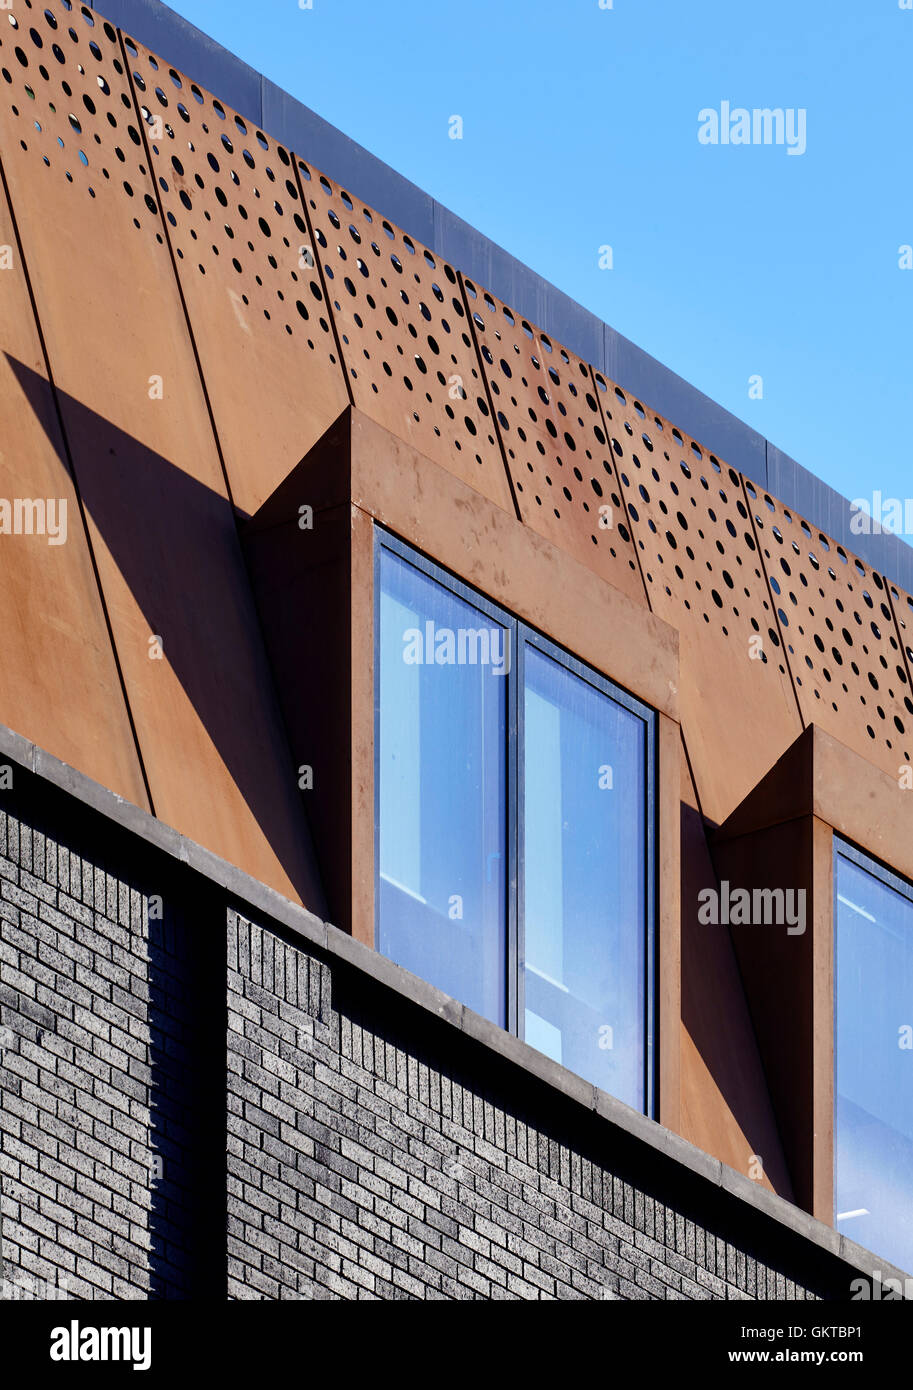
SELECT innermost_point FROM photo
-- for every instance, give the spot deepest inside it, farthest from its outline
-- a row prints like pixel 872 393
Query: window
pixel 441 789
pixel 514 827
pixel 873 1060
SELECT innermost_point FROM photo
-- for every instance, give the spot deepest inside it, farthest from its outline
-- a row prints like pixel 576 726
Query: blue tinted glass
pixel 584 879
pixel 874 1063
pixel 442 682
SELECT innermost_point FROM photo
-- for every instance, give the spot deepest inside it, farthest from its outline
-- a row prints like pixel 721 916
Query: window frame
pixel 529 637
pixel 863 860
pixel 889 878
pixel 522 636
pixel 384 540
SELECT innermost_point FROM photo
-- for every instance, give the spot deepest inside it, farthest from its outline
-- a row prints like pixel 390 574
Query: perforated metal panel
pixel 68 107
pixel 837 623
pixel 546 410
pixel 703 574
pixel 144 456
pixel 902 607
pixel 248 274
pixel 405 336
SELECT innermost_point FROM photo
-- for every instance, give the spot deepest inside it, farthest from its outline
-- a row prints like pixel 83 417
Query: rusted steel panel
pixel 59 685
pixel 726 1109
pixel 703 574
pixel 901 604
pixel 326 686
pixel 242 249
pixel 837 624
pixel 820 776
pixel 902 607
pixel 782 836
pixel 143 451
pixel 547 414
pixel 529 575
pixel 360 474
pixel 405 336
pixel 787 991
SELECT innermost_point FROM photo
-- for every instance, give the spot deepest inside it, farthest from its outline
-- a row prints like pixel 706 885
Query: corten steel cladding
pixel 551 429
pixel 704 575
pixel 788 986
pixel 405 336
pixel 144 456
pixel 244 259
pixel 51 617
pixel 902 608
pixel 837 624
pixel 726 1107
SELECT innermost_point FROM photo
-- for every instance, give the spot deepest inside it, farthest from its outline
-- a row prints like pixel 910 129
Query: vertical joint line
pixel 318 264
pixel 174 266
pixel 694 785
pixel 773 601
pixel 71 469
pixel 908 667
pixel 621 491
pixel 488 396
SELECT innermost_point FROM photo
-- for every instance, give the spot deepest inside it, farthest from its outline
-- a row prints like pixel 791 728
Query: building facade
pixel 455 823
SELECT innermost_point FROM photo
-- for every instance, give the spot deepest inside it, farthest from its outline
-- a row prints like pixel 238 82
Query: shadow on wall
pixel 141 1058
pixel 441 1073
pixel 716 1017
pixel 175 543
pixel 187 1026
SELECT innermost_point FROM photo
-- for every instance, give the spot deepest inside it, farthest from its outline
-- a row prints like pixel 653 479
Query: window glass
pixel 514 851
pixel 584 879
pixel 873 1059
pixel 441 678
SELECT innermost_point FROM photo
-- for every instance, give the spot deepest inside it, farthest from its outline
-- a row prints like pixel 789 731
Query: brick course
pixel 196 1103
pixel 92 1088
pixel 360 1169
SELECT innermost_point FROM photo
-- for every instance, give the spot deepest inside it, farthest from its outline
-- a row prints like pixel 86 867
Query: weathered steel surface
pixel 726 1108
pixel 703 574
pixel 59 685
pixel 405 336
pixel 835 619
pixel 248 276
pixel 144 456
pixel 901 604
pixel 560 463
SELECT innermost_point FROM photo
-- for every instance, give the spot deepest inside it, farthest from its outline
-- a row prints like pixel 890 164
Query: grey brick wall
pixel 358 1167
pixel 308 1125
pixel 94 1151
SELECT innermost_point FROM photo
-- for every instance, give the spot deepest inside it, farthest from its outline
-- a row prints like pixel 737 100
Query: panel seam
pixel 71 469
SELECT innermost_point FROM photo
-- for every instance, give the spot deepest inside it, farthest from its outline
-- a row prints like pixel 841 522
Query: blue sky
pixel 580 130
